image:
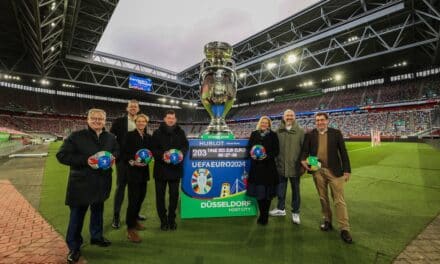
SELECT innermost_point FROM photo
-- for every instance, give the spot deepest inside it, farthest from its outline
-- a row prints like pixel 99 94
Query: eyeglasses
pixel 96 119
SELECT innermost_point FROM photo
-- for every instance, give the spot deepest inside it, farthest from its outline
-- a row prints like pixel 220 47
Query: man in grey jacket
pixel 291 137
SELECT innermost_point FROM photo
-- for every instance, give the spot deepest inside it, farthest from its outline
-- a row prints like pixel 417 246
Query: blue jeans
pixel 281 193
pixel 76 221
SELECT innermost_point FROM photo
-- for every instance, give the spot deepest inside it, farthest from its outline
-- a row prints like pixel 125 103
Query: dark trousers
pixel 76 221
pixel 281 193
pixel 136 195
pixel 121 182
pixel 173 189
pixel 263 206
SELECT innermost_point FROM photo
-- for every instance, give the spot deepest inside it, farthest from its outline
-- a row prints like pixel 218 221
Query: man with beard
pixel 291 137
pixel 168 136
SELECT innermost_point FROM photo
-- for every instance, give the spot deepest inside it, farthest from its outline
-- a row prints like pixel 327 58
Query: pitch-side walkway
pixel 25 237
pixel 425 248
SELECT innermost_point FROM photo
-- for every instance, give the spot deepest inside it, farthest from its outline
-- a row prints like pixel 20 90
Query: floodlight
pixel 338 77
pixel 292 58
pixel 271 65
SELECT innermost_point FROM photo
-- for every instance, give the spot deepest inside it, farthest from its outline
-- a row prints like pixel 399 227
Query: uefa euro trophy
pixel 218 88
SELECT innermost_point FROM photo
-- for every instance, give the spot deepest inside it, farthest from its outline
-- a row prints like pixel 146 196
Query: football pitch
pixel 394 192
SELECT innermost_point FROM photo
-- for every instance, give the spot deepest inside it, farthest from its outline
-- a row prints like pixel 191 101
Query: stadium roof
pixel 171 34
pixel 359 39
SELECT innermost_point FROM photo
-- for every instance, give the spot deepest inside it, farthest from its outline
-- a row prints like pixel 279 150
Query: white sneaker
pixel 277 212
pixel 295 218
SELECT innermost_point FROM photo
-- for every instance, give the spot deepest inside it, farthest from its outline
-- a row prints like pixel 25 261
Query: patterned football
pixel 313 162
pixel 102 160
pixel 258 152
pixel 173 156
pixel 143 156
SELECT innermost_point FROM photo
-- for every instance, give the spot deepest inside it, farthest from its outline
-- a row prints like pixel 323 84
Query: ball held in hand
pixel 101 160
pixel 258 152
pixel 313 163
pixel 173 156
pixel 143 156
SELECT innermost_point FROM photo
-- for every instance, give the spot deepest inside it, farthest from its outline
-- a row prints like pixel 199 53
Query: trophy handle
pixel 204 92
pixel 228 106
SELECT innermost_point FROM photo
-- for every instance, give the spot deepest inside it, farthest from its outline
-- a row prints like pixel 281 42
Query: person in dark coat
pixel 263 175
pixel 87 186
pixel 120 127
pixel 327 144
pixel 168 136
pixel 138 175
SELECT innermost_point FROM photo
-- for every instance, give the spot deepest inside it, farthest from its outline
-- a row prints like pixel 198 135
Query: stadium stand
pixel 379 94
pixel 59 115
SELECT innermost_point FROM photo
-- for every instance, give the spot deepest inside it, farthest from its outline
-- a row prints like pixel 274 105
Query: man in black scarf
pixel 168 136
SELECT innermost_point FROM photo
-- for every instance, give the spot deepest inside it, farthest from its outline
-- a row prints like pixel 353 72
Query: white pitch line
pixel 29 155
pixel 364 148
pixel 353 150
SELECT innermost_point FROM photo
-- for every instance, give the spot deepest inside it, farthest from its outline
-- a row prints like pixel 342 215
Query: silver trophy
pixel 218 88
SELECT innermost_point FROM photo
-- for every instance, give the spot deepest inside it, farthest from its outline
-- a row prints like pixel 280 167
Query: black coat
pixel 164 140
pixel 133 143
pixel 120 129
pixel 86 185
pixel 338 161
pixel 264 172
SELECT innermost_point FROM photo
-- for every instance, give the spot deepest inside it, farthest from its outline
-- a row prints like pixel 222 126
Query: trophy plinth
pixel 218 88
pixel 217 129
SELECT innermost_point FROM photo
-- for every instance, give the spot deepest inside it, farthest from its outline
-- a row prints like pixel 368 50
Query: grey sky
pixel 171 33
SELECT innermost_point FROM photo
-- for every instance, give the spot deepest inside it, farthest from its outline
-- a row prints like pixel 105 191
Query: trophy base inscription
pixel 217 135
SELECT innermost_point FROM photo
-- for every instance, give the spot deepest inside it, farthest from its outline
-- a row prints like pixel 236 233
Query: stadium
pixel 373 65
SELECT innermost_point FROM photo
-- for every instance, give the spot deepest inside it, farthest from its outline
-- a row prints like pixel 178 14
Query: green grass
pixel 393 194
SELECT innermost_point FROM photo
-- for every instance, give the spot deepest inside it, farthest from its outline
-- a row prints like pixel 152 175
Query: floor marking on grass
pixel 407 167
pixel 376 180
pixel 379 255
pixel 353 150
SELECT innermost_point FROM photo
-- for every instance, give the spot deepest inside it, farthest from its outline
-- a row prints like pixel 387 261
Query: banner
pixel 215 179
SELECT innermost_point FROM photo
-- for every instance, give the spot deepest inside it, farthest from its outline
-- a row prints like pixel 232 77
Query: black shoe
pixel 172 225
pixel 116 223
pixel 103 242
pixel 141 218
pixel 261 221
pixel 326 226
pixel 345 235
pixel 163 226
pixel 73 256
